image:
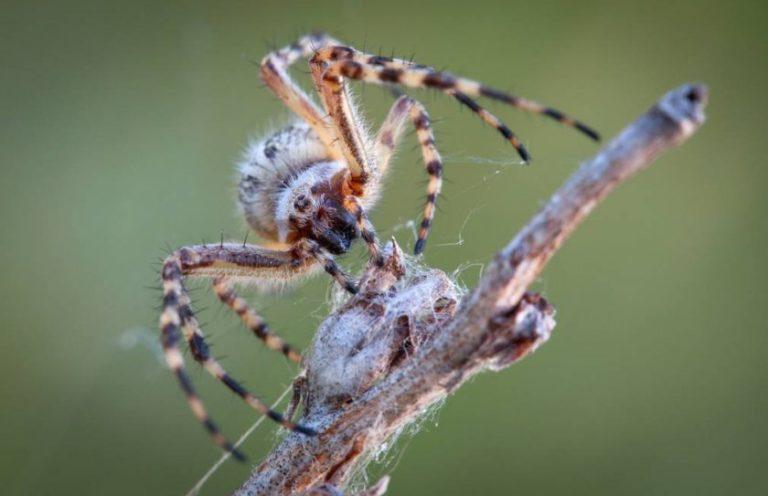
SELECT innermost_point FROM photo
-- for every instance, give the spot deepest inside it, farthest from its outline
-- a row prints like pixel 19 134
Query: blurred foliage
pixel 122 121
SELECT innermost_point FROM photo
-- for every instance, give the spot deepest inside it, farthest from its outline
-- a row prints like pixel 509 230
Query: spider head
pixel 335 228
pixel 320 212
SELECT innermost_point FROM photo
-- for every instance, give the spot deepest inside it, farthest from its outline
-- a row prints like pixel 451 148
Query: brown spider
pixel 306 190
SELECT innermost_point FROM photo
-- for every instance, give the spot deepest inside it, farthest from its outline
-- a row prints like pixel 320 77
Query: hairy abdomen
pixel 268 167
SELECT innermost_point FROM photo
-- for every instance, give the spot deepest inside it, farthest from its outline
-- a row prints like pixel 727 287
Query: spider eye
pixel 301 203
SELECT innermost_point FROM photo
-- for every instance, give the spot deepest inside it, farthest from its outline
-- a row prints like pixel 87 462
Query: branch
pixel 407 340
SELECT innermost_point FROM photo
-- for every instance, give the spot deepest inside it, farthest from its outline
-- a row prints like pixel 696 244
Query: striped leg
pixel 307 248
pixel 274 73
pixel 225 291
pixel 346 123
pixel 170 323
pixel 444 81
pixel 201 354
pixel 347 62
pixel 386 141
pixel 494 122
pixel 177 318
pixel 332 268
pixel 367 231
pixel 390 132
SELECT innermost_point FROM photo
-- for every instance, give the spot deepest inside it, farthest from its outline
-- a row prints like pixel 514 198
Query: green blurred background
pixel 120 125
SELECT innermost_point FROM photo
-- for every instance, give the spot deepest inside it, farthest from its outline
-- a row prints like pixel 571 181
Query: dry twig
pixel 406 341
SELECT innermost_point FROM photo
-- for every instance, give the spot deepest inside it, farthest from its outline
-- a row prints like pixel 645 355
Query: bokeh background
pixel 120 125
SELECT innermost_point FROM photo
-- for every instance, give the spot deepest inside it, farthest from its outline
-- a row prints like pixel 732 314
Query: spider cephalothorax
pixel 306 189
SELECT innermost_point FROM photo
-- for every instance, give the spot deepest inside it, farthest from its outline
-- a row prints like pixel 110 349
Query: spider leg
pixel 307 248
pixel 346 123
pixel 274 72
pixel 232 260
pixel 347 62
pixel 391 130
pixel 492 121
pixel 367 231
pixel 170 322
pixel 443 80
pixel 201 354
pixel 225 291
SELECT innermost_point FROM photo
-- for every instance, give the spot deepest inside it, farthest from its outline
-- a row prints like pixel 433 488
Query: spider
pixel 306 190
